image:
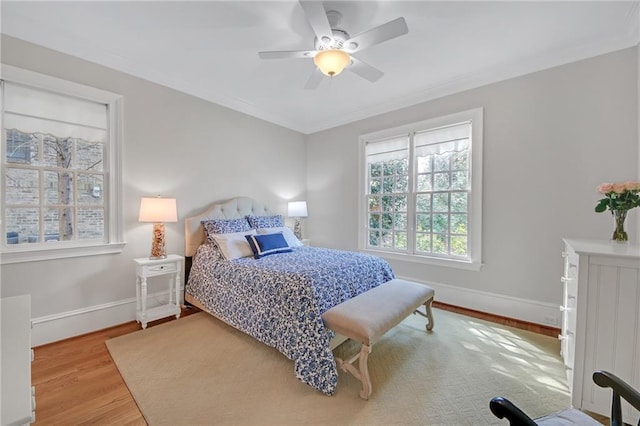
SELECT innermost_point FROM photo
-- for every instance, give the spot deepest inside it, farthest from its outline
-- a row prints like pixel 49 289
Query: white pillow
pixel 234 245
pixel 288 234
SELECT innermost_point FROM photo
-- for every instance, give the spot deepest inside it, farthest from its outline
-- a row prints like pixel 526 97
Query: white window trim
pixel 114 212
pixel 475 205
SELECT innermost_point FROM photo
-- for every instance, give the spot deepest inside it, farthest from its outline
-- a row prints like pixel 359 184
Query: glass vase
pixel 619 234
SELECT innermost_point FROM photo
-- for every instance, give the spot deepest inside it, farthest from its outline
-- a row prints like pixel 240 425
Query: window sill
pixel 447 263
pixel 34 254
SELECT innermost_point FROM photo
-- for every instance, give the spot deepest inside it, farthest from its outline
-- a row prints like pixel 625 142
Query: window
pixel 422 191
pixel 60 162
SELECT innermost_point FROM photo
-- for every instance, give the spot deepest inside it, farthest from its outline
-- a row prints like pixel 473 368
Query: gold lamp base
pixel 157 242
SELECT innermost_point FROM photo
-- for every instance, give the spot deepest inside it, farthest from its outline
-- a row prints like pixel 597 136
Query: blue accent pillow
pixel 274 221
pixel 266 244
pixel 224 226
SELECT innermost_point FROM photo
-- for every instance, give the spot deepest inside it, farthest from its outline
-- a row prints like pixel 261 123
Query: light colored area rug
pixel 199 371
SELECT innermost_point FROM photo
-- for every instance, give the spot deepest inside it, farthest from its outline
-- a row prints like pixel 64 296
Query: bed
pixel 278 299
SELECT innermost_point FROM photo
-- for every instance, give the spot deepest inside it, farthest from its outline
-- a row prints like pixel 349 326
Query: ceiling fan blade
pixel 364 70
pixel 379 34
pixel 288 54
pixel 314 79
pixel 317 17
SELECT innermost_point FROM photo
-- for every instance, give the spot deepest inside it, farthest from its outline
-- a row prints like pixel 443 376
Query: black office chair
pixel 503 408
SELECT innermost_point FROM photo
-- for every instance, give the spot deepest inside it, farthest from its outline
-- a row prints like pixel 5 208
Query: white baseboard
pixel 52 328
pixel 61 326
pixel 507 306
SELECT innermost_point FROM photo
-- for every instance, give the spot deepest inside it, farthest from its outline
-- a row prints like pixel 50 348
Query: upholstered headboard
pixel 232 209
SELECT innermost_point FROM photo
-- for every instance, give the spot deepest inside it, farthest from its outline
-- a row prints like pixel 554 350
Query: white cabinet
pixel 18 402
pixel 600 320
pixel 145 268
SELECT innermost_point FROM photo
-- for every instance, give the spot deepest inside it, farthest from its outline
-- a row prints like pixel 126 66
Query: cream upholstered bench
pixel 369 315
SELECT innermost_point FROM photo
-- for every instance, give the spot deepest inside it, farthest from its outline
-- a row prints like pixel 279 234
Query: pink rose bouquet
pixel 619 196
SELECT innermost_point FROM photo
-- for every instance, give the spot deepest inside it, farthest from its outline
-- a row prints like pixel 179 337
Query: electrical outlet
pixel 550 320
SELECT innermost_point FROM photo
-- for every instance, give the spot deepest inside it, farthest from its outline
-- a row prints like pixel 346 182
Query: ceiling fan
pixel 334 47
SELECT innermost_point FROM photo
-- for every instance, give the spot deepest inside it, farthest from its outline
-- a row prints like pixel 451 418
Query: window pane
pixel 423 202
pixel 22 187
pixel 401 240
pixel 459 224
pixel 90 224
pixel 402 184
pixel 400 203
pixel 387 185
pixel 21 147
pixel 441 223
pixel 375 186
pixel 58 188
pixel 387 239
pixel 441 162
pixel 459 202
pixel 375 170
pixel 374 238
pixel 89 189
pixel 89 155
pixel 58 224
pixel 460 180
pixel 387 203
pixel 22 224
pixel 374 204
pixel 423 242
pixel 387 221
pixel 388 168
pixel 57 151
pixel 441 202
pixel 440 245
pixel 423 222
pixel 374 220
pixel 441 181
pixel 424 182
pixel 424 164
pixel 459 246
pixel 400 222
pixel 459 160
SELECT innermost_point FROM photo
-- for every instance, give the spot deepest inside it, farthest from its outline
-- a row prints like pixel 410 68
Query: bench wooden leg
pixel 428 314
pixel 363 373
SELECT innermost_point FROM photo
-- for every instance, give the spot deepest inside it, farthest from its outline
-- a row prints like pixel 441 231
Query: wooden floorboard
pixel 77 382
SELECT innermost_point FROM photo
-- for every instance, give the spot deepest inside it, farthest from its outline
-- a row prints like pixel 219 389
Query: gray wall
pixel 549 139
pixel 175 145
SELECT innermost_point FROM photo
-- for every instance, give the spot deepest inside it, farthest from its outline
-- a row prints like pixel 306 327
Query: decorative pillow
pixel 234 245
pixel 266 244
pixel 274 221
pixel 224 226
pixel 287 233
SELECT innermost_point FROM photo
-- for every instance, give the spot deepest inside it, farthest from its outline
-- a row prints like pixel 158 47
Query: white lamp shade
pixel 297 209
pixel 156 209
pixel 331 62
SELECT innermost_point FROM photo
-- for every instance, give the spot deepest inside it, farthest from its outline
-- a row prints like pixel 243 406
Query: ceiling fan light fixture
pixel 332 61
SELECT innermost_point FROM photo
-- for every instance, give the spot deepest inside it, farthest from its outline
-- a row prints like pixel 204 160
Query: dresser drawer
pixel 570 265
pixel 161 269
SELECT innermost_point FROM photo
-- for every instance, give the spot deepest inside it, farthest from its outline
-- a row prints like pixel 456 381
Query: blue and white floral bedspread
pixel 279 299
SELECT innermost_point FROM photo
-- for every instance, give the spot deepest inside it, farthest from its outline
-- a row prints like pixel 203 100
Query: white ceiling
pixel 209 49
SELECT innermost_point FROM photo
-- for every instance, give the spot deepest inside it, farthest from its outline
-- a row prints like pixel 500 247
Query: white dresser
pixel 18 402
pixel 600 320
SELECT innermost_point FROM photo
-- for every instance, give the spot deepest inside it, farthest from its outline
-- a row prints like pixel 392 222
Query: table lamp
pixel 297 209
pixel 158 210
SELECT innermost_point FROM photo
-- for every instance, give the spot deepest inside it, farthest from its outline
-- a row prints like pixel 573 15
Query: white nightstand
pixel 145 268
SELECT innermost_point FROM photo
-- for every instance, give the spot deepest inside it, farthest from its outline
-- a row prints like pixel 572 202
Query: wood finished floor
pixel 77 382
